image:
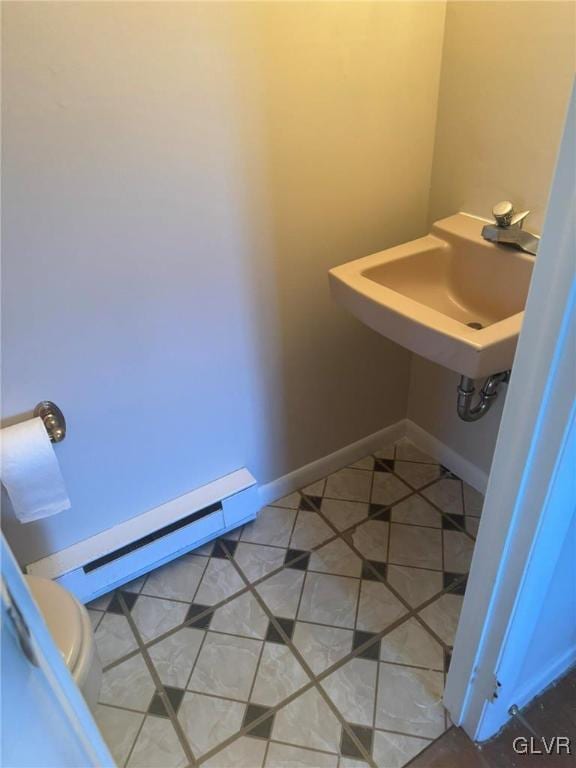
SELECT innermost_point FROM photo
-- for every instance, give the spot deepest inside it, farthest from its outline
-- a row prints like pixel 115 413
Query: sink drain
pixel 476 326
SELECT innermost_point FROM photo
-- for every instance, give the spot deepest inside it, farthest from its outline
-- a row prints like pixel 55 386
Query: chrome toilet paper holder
pixel 53 419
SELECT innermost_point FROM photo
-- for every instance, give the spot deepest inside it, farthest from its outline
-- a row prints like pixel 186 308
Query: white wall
pixel 177 180
pixel 507 70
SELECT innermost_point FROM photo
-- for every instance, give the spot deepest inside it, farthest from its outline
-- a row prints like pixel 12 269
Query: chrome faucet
pixel 508 229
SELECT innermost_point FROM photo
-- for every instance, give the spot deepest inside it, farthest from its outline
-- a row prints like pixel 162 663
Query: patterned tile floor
pixel 319 635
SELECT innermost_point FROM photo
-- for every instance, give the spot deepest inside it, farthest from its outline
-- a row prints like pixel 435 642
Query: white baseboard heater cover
pixel 122 553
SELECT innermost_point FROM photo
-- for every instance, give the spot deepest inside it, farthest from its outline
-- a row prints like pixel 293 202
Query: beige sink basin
pixel 423 294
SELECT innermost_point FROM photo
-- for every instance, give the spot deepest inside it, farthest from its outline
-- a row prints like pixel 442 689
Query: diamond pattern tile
pixel 371 539
pixel 473 501
pixel 281 592
pixel 158 704
pixel 114 638
pixel 395 749
pixel 321 583
pixel 372 651
pixel 310 530
pixel 310 503
pixel 415 585
pixel 315 489
pixel 292 501
pixel 279 675
pixel 337 558
pixel 273 526
pixel 242 615
pixel 415 546
pixel 209 720
pixel 222 548
pixel 382 464
pixel 329 600
pixel 258 560
pixel 349 747
pixel 415 474
pixel 416 511
pixel 446 494
pixel 452 522
pixel 411 644
pixel 373 570
pixel 388 489
pixel 198 617
pixel 220 581
pixel 297 558
pixel 349 484
pixel 458 549
pixel 321 646
pixel 153 616
pixel 367 462
pixel 410 701
pixel 352 688
pixel 378 607
pixel 274 635
pixel 455 582
pixel 298 757
pixel 308 721
pixel 174 657
pixel 380 512
pixel 157 744
pixel 263 729
pixel 472 524
pixel 95 617
pixel 343 514
pixel 115 605
pixel 129 685
pixel 442 616
pixel 177 580
pixel 119 727
pixel 226 666
pixel 245 752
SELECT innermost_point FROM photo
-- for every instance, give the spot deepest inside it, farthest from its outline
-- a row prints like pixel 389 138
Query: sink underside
pixel 425 293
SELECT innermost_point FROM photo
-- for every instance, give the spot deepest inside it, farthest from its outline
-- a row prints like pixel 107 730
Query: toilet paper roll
pixel 30 472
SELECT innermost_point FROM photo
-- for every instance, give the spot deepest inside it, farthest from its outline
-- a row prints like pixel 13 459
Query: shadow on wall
pixel 432 405
pixel 178 179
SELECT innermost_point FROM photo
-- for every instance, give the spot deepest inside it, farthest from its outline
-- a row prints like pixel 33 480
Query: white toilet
pixel 71 628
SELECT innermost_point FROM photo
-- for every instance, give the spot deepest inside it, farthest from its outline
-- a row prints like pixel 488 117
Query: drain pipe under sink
pixel 487 395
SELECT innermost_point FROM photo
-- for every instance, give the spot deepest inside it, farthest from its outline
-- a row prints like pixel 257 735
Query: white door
pixel 45 720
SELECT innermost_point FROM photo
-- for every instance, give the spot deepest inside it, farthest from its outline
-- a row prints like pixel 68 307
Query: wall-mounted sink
pixel 451 296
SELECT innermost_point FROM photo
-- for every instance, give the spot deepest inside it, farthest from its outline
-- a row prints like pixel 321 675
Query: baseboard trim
pixel 456 463
pixel 309 473
pixel 343 457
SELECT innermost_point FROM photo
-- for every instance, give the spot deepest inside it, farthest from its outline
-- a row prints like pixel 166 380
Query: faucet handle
pixel 503 213
pixel 518 219
pixel 506 216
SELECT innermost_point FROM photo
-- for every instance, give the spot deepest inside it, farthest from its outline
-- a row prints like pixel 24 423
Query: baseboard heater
pixel 122 553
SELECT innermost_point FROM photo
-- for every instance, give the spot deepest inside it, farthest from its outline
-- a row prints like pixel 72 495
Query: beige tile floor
pixel 319 635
